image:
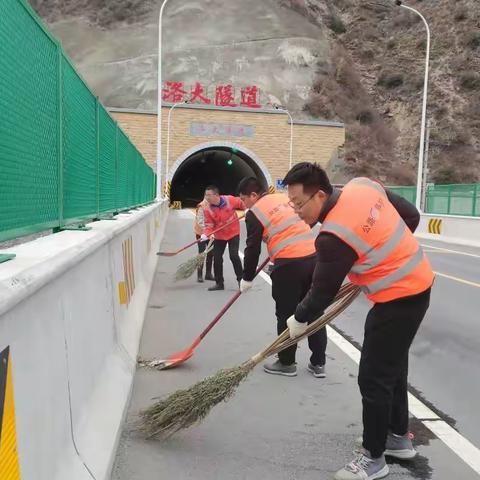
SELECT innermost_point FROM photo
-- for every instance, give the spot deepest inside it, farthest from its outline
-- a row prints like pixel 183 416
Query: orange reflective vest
pixel 286 235
pixel 391 263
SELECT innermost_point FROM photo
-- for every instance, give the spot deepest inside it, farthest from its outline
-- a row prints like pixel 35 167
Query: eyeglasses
pixel 297 208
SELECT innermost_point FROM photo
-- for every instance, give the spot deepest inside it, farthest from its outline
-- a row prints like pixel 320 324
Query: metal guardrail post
pixel 116 167
pixel 449 201
pixel 60 138
pixel 474 206
pixel 97 127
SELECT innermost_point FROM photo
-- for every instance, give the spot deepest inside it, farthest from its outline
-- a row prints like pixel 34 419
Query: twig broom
pixel 186 269
pixel 184 408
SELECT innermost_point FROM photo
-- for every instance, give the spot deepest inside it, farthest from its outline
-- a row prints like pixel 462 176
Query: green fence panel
pixel 130 173
pixel 476 201
pixel 453 199
pixel 63 159
pixel 122 172
pixel 107 160
pixel 138 178
pixel 409 193
pixel 28 123
pixel 437 200
pixel 461 199
pixel 79 147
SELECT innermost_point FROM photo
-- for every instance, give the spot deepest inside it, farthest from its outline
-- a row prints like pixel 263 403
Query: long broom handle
pixel 222 312
pixel 342 300
pixel 215 231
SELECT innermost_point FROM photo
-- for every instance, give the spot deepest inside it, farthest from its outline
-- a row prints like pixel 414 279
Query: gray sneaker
pixel 396 446
pixel 278 368
pixel 363 468
pixel 317 371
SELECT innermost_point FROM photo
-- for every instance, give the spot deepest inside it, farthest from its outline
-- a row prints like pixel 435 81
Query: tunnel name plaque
pixel 200 129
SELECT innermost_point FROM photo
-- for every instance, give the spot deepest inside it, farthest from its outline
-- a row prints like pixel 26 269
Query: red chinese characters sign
pixel 223 95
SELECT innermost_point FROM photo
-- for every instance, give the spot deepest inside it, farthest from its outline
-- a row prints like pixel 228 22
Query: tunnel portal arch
pixel 219 163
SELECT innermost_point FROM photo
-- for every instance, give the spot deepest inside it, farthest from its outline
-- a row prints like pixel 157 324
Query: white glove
pixel 203 238
pixel 244 285
pixel 296 328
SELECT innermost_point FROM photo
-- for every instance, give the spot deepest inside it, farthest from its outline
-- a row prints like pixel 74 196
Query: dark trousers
pixel 218 251
pixel 389 331
pixel 290 284
pixel 209 260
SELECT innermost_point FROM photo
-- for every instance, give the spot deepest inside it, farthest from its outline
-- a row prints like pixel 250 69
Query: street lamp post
pixel 159 104
pixel 418 200
pixel 283 109
pixel 168 136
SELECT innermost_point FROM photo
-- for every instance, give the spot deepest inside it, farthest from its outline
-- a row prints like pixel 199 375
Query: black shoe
pixel 209 276
pixel 217 286
pixel 199 278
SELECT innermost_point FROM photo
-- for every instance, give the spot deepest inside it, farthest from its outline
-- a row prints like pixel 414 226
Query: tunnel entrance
pixel 220 166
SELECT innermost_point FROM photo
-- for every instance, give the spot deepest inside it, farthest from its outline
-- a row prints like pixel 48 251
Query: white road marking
pixel 457 279
pixel 458 252
pixel 468 452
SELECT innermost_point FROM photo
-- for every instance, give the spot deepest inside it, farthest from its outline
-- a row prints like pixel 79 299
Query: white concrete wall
pixel 455 229
pixel 73 344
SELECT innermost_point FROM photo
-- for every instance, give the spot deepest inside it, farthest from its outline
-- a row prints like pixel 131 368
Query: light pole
pixel 418 200
pixel 283 109
pixel 159 104
pixel 168 135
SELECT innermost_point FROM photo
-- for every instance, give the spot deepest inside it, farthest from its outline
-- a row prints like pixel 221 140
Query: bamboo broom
pixel 187 407
pixel 186 269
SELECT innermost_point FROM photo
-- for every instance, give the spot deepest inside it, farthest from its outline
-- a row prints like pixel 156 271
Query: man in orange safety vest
pixel 367 234
pixel 290 245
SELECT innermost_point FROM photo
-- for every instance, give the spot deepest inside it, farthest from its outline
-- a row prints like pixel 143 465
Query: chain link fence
pixel 63 159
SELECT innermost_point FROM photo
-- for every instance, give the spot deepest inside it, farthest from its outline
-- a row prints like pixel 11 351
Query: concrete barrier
pixel 450 228
pixel 71 313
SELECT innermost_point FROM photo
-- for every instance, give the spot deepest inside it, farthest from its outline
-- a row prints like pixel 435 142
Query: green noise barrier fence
pixel 455 199
pixel 63 159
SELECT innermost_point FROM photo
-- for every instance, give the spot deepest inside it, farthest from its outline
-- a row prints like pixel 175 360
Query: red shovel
pixel 172 254
pixel 181 357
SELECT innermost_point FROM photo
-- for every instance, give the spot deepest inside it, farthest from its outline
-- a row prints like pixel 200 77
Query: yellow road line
pixel 456 279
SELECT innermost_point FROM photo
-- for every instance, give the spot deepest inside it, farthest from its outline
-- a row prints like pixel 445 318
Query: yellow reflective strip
pixel 125 271
pixel 132 265
pixel 122 294
pixel 9 464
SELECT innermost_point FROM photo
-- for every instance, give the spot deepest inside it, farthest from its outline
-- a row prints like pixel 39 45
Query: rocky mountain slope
pixel 357 61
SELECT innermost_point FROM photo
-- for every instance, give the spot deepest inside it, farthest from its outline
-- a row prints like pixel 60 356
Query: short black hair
pixel 311 175
pixel 249 185
pixel 213 188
